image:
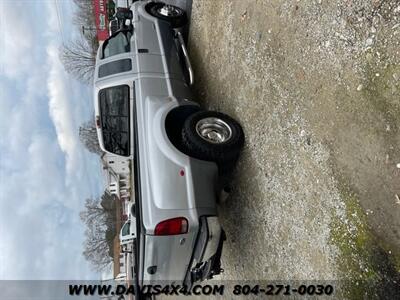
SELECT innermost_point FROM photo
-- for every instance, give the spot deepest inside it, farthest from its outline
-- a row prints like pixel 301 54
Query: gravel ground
pixel 315 85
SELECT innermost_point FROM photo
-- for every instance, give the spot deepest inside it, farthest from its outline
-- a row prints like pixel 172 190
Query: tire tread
pixel 201 149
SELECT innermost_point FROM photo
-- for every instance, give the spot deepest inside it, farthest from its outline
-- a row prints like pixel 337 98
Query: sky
pixel 45 172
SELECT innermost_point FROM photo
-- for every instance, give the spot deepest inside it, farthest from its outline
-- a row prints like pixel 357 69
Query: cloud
pixel 41 235
pixel 18 54
pixel 45 173
pixel 6 107
pixel 60 109
pixel 44 234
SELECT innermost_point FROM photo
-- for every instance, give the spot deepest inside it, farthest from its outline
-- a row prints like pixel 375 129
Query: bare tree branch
pixel 88 137
pixel 79 56
pixel 79 59
pixel 99 216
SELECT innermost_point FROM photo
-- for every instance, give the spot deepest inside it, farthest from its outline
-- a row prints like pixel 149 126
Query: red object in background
pixel 101 19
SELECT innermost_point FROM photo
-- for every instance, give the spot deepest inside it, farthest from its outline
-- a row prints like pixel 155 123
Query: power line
pixel 60 28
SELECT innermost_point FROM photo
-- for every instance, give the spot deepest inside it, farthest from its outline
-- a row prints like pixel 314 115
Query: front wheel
pixel 213 136
pixel 175 15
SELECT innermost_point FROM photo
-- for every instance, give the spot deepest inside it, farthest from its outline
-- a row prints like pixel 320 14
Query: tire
pixel 177 19
pixel 212 136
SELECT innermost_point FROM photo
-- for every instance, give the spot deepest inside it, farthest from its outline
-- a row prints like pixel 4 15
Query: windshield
pixel 125 229
pixel 117 44
pixel 114 116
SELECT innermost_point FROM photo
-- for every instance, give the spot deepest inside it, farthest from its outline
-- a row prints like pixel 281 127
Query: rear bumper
pixel 206 259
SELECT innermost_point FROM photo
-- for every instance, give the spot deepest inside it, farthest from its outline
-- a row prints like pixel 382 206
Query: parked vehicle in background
pixel 124 3
pixel 128 230
pixel 119 18
pixel 145 112
pixel 113 26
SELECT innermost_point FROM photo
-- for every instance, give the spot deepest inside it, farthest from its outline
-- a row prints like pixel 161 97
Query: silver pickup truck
pixel 144 111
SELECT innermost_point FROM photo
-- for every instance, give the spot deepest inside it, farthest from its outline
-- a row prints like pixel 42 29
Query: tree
pixel 79 59
pixel 79 56
pixel 83 15
pixel 88 137
pixel 99 217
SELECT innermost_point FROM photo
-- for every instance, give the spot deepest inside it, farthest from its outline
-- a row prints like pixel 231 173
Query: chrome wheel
pixel 169 11
pixel 214 130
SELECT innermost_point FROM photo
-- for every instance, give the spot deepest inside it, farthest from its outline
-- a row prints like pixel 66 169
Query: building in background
pixel 118 176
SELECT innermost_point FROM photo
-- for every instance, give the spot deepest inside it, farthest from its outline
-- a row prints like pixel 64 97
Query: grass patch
pixel 369 272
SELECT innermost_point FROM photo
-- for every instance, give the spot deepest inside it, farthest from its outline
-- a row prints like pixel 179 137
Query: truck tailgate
pixel 167 257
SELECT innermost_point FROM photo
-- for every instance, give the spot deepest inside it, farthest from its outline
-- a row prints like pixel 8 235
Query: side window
pixel 117 44
pixel 114 67
pixel 114 118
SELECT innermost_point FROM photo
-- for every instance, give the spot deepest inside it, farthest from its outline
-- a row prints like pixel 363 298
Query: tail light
pixel 172 227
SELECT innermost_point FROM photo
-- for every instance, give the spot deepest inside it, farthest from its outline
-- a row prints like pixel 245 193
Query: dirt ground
pixel 316 86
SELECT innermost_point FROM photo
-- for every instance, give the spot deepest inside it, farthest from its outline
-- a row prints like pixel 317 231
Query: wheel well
pixel 174 21
pixel 174 124
pixel 149 6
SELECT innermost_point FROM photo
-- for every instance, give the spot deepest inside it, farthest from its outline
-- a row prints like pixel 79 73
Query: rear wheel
pixel 175 15
pixel 212 136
